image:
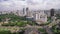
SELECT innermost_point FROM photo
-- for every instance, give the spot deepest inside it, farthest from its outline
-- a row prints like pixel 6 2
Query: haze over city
pixel 6 5
pixel 29 16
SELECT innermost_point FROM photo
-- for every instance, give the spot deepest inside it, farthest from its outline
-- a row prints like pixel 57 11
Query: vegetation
pixel 15 20
pixel 58 16
pixel 5 32
pixel 42 30
pixel 12 17
pixel 15 24
pixel 8 32
pixel 21 24
pixel 55 30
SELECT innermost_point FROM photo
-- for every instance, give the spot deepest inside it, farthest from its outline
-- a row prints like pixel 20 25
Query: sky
pixel 32 4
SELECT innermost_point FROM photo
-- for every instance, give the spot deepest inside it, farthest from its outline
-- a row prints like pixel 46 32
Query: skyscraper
pixel 52 12
pixel 27 12
pixel 27 9
pixel 52 15
pixel 23 10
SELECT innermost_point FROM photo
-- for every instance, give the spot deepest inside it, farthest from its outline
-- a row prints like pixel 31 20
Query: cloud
pixel 32 4
pixel 11 4
pixel 45 4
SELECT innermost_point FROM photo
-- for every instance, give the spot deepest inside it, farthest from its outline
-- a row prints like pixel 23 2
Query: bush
pixel 9 24
pixel 55 30
pixel 41 30
pixel 5 32
pixel 5 24
pixel 21 24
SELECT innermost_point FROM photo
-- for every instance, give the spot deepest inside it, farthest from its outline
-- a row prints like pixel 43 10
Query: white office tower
pixel 40 17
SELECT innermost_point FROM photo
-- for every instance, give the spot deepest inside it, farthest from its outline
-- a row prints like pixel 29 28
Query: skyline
pixel 32 4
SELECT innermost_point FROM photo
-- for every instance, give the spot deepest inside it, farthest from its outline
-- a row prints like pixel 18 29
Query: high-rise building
pixel 27 11
pixel 52 12
pixel 23 10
